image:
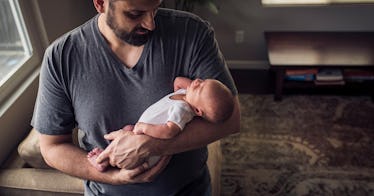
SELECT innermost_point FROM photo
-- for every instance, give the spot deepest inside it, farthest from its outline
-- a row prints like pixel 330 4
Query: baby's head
pixel 210 99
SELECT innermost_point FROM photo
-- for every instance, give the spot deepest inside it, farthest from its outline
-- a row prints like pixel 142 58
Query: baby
pixel 209 99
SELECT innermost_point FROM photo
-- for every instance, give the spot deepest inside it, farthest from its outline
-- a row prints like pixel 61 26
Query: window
pixel 14 42
pixel 312 2
pixel 23 40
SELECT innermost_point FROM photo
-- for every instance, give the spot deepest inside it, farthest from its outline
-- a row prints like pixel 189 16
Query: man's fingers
pixel 103 156
pixel 162 163
pixel 139 170
pixel 160 166
pixel 130 163
pixel 157 169
pixel 114 134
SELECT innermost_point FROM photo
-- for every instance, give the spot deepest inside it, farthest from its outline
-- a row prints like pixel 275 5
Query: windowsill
pixel 11 91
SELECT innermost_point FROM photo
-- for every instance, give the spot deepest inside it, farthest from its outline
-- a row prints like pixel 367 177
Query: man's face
pixel 132 21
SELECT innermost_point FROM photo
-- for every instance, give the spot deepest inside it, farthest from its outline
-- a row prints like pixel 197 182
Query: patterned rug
pixel 303 145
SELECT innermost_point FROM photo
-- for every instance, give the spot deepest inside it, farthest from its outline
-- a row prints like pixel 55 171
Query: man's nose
pixel 148 21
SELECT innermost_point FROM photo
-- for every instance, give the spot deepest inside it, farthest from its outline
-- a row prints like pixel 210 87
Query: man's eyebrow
pixel 135 10
pixel 138 11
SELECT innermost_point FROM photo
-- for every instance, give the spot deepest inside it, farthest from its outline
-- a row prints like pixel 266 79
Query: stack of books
pixel 301 74
pixel 358 75
pixel 329 76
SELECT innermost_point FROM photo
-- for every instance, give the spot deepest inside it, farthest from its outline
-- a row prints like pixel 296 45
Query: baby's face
pixel 194 91
pixel 197 93
pixel 208 97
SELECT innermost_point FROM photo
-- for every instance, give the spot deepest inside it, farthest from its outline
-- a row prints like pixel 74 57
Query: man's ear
pixel 99 5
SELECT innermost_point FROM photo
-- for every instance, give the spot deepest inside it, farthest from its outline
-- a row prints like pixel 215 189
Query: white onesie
pixel 167 109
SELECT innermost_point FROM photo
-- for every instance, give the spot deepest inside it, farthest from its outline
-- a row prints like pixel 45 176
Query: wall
pixel 62 16
pixel 250 16
pixel 246 15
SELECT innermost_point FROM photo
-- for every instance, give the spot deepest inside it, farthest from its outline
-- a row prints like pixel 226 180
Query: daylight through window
pixel 14 43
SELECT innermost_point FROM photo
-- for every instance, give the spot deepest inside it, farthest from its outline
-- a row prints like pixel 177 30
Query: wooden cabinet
pixel 305 50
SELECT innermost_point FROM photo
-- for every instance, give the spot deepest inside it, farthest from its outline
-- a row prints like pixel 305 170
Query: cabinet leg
pixel 279 80
pixel 372 91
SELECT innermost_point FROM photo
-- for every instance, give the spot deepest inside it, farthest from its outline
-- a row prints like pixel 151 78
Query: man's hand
pixel 139 174
pixel 128 150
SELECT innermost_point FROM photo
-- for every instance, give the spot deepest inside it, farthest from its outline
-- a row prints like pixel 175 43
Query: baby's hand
pixel 139 128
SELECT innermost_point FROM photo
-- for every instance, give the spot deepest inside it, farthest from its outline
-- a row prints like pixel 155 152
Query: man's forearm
pixel 71 160
pixel 199 133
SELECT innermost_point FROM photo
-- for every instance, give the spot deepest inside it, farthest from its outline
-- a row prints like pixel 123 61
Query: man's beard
pixel 131 37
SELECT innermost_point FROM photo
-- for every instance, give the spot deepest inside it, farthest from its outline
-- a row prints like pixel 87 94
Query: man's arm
pixel 161 131
pixel 60 153
pixel 181 83
pixel 126 152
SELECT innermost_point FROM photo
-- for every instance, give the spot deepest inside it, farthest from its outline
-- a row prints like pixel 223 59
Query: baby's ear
pixel 198 112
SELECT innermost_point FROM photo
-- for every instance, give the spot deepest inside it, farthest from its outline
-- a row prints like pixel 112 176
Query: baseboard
pixel 248 64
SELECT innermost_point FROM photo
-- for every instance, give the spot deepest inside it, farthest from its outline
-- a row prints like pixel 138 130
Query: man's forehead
pixel 139 4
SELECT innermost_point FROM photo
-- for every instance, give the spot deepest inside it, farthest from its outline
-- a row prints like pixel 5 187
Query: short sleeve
pixel 180 114
pixel 53 113
pixel 208 61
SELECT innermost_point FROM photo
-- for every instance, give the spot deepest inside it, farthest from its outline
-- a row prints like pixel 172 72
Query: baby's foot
pixel 92 156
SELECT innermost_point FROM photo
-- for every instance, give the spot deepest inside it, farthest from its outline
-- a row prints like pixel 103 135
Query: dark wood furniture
pixel 305 50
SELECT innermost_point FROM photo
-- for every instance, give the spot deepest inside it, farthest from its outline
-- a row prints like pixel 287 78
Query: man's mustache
pixel 142 30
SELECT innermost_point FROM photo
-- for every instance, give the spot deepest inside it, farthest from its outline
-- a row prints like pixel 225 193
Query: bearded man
pixel 101 76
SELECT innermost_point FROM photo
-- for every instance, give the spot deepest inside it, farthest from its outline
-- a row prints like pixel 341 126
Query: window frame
pixel 28 71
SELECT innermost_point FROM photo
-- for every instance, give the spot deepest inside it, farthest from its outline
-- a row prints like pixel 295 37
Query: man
pixel 104 74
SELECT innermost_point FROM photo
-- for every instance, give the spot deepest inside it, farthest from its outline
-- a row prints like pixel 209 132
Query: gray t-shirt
pixel 83 84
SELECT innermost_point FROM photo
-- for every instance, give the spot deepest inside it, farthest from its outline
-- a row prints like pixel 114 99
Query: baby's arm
pixel 161 131
pixel 181 83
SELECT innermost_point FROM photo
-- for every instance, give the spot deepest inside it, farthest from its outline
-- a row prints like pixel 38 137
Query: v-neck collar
pixel 115 58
